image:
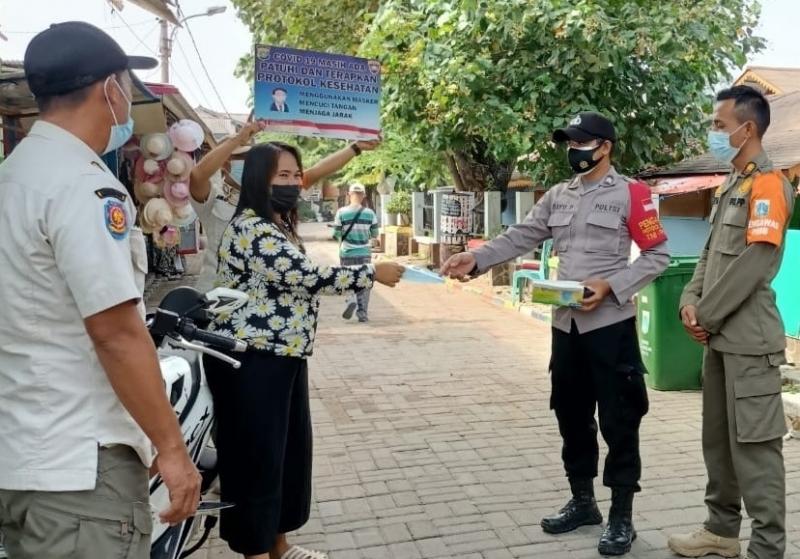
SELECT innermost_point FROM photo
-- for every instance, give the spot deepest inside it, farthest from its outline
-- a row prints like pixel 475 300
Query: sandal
pixel 297 552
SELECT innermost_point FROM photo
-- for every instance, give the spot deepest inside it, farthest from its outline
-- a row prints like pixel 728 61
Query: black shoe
pixel 619 535
pixel 348 312
pixel 363 319
pixel 581 510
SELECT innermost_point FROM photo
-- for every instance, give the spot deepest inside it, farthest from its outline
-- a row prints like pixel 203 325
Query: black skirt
pixel 264 447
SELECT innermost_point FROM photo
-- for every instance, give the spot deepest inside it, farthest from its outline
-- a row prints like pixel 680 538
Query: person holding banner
pixel 264 438
pixel 216 210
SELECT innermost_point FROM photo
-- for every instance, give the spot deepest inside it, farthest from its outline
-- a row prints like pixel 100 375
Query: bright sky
pixel 223 39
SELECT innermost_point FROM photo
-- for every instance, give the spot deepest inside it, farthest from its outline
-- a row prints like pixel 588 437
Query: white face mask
pixel 120 133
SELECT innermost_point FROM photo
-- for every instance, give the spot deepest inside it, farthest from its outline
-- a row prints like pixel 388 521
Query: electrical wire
pixel 191 71
pixel 203 65
pixel 113 27
pixel 154 53
pixel 135 35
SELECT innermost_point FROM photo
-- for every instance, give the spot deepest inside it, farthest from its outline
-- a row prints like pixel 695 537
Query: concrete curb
pixel 487 294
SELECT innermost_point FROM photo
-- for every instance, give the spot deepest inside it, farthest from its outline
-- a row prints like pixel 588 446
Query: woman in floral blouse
pixel 263 420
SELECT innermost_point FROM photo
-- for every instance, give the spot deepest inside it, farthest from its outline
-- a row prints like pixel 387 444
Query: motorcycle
pixel 178 330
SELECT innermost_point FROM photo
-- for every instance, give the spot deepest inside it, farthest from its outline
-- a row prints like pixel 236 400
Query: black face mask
pixel 285 197
pixel 582 161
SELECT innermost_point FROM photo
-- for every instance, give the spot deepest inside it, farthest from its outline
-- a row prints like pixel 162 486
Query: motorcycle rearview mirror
pixel 224 300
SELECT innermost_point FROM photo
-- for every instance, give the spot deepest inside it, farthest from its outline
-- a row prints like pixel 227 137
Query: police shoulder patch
pixel 116 219
pixel 110 193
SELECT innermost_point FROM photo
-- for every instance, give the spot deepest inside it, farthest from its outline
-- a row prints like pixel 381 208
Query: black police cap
pixel 586 127
pixel 75 54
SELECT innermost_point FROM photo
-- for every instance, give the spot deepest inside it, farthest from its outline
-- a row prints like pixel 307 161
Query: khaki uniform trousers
pixel 111 521
pixel 743 428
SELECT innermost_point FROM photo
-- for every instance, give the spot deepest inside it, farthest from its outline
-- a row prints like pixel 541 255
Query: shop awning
pixel 670 186
pixel 16 99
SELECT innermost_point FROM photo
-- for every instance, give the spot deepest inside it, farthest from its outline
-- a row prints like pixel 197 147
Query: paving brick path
pixel 434 438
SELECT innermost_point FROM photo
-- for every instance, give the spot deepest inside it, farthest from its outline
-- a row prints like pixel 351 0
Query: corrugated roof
pixel 220 124
pixel 771 80
pixel 16 98
pixel 781 142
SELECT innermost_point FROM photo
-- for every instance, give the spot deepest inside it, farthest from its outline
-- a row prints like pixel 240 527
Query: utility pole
pixel 167 37
pixel 164 50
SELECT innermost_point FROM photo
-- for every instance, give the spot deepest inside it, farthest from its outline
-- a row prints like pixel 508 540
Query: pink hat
pixel 176 193
pixel 148 170
pixel 168 236
pixel 171 236
pixel 186 135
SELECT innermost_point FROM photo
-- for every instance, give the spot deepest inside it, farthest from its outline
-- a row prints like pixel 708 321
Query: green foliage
pixel 500 76
pixel 477 84
pixel 399 203
pixel 305 211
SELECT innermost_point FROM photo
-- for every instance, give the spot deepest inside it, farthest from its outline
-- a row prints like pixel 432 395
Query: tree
pixel 486 82
pixel 483 83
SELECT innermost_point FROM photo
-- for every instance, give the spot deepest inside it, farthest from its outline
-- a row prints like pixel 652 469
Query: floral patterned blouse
pixel 284 286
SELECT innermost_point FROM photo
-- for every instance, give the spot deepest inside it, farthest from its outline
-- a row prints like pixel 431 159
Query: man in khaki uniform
pixel 730 307
pixel 82 401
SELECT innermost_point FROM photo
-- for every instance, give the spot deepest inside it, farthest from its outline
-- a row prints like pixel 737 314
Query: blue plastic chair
pixel 520 277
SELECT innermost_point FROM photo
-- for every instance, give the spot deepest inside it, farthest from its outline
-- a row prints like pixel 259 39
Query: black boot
pixel 619 534
pixel 581 510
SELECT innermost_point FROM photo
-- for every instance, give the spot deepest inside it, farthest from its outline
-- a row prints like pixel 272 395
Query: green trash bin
pixel 673 359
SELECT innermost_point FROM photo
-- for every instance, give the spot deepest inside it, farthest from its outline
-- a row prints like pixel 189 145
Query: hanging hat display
pixel 156 146
pixel 183 216
pixel 169 236
pixel 156 214
pixel 146 190
pixel 149 170
pixel 179 166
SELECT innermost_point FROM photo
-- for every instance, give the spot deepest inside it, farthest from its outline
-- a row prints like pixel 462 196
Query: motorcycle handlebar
pixel 192 333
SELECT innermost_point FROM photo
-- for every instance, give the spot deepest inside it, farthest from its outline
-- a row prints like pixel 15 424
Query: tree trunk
pixel 474 170
pixel 453 168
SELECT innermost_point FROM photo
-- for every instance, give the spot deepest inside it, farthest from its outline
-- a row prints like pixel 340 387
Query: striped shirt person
pixel 354 227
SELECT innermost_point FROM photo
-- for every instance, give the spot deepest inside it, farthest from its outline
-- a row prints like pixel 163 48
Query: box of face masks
pixel 558 293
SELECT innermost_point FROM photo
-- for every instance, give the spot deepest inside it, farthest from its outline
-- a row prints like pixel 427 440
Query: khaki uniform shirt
pixel 731 286
pixel 66 254
pixel 592 226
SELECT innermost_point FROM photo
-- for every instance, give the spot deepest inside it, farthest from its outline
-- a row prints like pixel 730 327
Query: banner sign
pixel 317 94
